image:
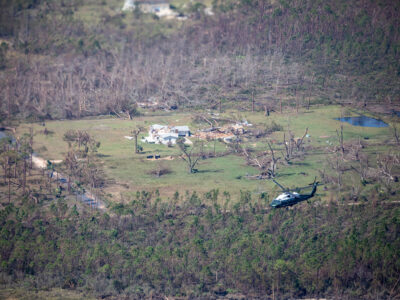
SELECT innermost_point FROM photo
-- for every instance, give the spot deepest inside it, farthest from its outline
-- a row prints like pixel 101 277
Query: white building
pixel 162 134
pixel 128 5
pixel 181 130
pixel 166 138
pixel 161 8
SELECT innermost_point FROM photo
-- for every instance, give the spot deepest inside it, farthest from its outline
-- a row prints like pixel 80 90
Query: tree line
pixel 151 246
pixel 249 55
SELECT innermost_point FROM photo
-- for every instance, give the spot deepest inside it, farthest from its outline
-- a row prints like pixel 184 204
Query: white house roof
pixel 157 126
pixel 181 128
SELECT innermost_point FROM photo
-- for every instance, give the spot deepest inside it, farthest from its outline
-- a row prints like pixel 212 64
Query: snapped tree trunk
pixel 24 179
pixel 136 145
pixel 9 184
pixel 135 133
pixel 252 101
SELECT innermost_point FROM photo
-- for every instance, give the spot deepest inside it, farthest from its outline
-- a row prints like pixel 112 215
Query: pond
pixel 363 121
pixel 2 135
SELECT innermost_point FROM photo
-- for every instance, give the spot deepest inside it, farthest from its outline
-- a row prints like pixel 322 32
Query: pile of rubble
pixel 227 132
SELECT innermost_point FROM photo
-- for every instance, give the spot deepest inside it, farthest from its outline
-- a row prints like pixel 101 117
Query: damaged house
pixel 163 134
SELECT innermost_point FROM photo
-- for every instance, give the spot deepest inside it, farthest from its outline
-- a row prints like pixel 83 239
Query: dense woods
pixel 150 247
pixel 54 65
pixel 260 56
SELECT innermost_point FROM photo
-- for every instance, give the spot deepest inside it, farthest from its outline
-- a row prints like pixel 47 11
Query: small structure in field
pixel 163 134
pixel 128 5
pixel 161 8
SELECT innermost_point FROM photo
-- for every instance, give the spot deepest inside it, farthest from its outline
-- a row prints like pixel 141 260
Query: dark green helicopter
pixel 292 197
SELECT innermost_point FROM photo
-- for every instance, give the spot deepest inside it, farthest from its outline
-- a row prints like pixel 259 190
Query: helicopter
pixel 292 197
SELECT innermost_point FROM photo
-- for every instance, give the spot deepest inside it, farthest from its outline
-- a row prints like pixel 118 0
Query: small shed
pixel 181 130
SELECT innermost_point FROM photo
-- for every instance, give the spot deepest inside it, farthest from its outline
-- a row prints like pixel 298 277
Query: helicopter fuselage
pixel 291 198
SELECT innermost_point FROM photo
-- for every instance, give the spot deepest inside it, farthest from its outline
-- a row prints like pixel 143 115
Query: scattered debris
pixel 158 157
pixel 226 133
pixel 258 176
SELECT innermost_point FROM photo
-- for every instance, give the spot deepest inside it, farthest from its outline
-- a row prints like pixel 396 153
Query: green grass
pixel 224 173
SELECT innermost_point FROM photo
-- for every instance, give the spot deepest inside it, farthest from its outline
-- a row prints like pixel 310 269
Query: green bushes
pixel 185 251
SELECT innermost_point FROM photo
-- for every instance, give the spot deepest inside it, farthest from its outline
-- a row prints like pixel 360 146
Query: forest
pixel 80 77
pixel 149 247
pixel 57 64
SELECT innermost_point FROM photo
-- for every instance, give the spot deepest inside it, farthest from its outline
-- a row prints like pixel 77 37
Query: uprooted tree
pixel 266 161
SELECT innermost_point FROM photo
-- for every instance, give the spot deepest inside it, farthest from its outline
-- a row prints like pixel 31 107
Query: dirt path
pixel 87 197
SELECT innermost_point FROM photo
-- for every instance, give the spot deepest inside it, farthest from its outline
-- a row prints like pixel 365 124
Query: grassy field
pixel 132 171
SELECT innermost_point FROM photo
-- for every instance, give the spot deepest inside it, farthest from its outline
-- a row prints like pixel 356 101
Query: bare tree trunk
pixel 215 141
pixel 8 104
pixel 69 183
pixel 396 134
pixel 136 145
pixel 340 137
pixel 252 101
pixel 15 169
pixel 274 160
pixel 309 92
pixel 288 147
pixel 339 171
pixel 136 133
pixel 9 181
pixel 31 148
pixel 24 178
pixel 300 142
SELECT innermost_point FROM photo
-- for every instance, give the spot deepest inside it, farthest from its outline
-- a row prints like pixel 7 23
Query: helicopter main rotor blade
pixel 283 188
pixel 300 188
pixel 305 187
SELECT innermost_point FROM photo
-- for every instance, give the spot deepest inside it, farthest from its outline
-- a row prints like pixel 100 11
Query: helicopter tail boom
pixel 314 188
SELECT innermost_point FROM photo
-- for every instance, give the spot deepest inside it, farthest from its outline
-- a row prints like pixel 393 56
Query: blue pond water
pixel 2 135
pixel 363 121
